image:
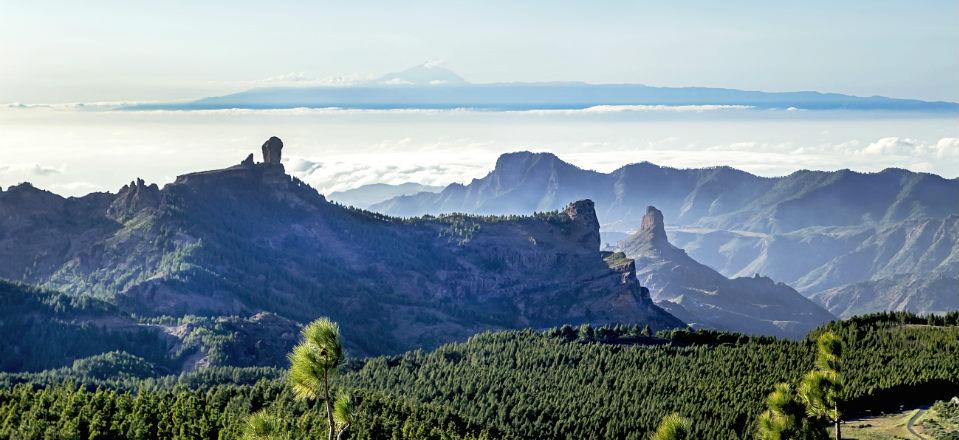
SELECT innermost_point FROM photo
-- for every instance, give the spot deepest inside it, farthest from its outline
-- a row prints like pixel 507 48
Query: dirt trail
pixel 909 424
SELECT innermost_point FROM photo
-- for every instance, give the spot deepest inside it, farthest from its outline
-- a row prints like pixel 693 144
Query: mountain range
pixel 817 231
pixel 250 239
pixel 368 195
pixel 431 86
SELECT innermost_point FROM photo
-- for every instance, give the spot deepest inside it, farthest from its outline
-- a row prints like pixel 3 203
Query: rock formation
pixel 134 198
pixel 583 214
pixel 704 298
pixel 653 224
pixel 271 150
pixel 248 162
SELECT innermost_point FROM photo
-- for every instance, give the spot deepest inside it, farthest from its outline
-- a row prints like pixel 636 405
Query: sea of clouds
pixel 72 151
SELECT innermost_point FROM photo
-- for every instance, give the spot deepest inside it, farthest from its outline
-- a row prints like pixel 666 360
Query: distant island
pixel 435 87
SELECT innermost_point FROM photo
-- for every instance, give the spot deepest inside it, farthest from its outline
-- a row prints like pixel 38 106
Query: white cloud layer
pixel 75 152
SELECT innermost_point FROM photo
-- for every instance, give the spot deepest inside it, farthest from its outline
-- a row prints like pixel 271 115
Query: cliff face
pixel 705 298
pixel 250 238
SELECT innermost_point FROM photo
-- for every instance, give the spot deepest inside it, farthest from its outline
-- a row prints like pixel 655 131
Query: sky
pixel 96 51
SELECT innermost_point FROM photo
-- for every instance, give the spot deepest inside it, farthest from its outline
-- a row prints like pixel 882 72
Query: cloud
pixel 397 82
pixel 74 188
pixel 29 169
pixel 397 161
pixel 891 145
pixel 405 160
pixel 300 79
pixel 601 109
pixel 71 106
pixel 40 170
pixel 946 147
pixel 339 175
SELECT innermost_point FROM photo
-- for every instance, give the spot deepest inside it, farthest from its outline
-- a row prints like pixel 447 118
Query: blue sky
pixel 131 51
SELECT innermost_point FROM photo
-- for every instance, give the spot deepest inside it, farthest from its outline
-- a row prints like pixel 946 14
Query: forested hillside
pixel 607 382
pixel 42 329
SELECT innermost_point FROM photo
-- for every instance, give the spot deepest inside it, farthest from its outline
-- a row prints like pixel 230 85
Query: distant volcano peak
pixel 426 74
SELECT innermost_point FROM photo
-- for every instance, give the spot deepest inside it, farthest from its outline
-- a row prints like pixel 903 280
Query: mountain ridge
pixel 250 238
pixel 707 195
pixel 809 229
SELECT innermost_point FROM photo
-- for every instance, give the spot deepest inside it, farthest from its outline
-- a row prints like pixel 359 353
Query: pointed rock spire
pixel 653 225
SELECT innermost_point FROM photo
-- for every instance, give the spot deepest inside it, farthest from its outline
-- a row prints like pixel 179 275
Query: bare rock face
pixel 134 198
pixel 248 162
pixel 271 151
pixel 583 214
pixel 653 223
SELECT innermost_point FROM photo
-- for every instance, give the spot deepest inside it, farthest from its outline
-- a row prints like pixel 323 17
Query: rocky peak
pixel 653 225
pixel 583 214
pixel 512 168
pixel 133 198
pixel 651 240
pixel 29 195
pixel 523 157
pixel 271 150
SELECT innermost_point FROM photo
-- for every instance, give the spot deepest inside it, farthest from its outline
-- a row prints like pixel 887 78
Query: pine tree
pixel 313 363
pixel 821 388
pixel 673 427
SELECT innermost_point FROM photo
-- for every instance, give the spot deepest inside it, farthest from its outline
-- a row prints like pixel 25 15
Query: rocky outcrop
pixel 653 225
pixel 134 198
pixel 704 298
pixel 583 215
pixel 271 151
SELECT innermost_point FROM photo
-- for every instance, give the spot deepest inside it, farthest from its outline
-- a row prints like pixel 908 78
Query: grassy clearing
pixel 883 427
pixel 939 422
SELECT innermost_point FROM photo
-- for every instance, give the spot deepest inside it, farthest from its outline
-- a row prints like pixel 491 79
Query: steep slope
pixel 250 238
pixel 521 182
pixel 850 270
pixel 926 293
pixel 42 329
pixel 922 247
pixel 705 298
pixel 367 195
